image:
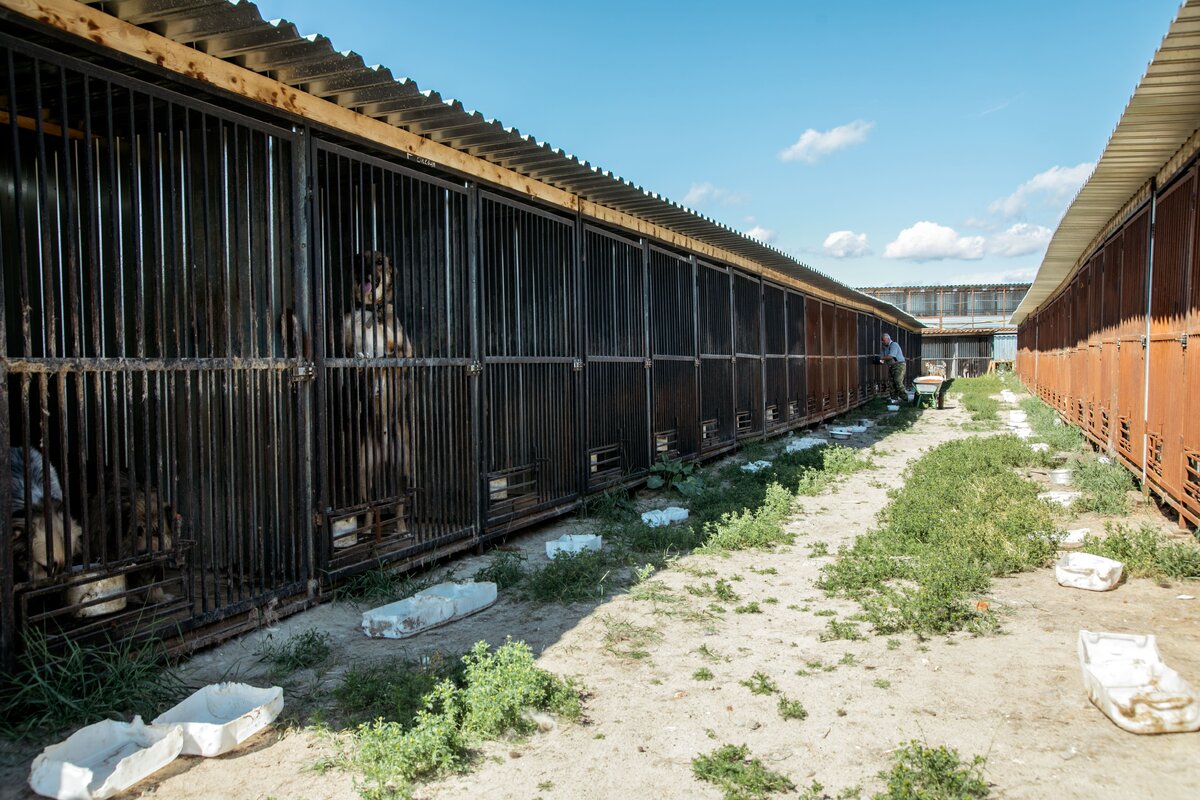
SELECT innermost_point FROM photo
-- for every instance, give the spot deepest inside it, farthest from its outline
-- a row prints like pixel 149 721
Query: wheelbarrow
pixel 932 388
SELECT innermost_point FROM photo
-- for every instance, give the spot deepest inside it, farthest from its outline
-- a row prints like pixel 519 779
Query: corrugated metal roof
pixel 894 287
pixel 939 332
pixel 1162 114
pixel 236 32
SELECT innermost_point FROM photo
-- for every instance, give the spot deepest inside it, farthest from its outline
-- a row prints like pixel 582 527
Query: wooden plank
pixel 81 20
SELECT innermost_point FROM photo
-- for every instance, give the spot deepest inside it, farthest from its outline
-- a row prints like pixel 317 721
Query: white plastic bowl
pixel 427 609
pixel 893 407
pixel 220 716
pixel 1126 678
pixel 104 759
pixel 102 586
pixel 573 543
pixel 1086 571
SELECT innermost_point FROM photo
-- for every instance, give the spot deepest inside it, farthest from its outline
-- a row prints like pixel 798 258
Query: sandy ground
pixel 1015 698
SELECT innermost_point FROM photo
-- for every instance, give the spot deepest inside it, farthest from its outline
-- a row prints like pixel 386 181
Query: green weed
pixel 1146 553
pixel 703 674
pixel 568 578
pixel 760 683
pixel 962 517
pixel 749 608
pixel 303 650
pixel 835 630
pixel 739 776
pixel 1061 437
pixel 1104 487
pixel 624 639
pixel 791 709
pixel 977 397
pixel 933 773
pixel 506 570
pixel 73 685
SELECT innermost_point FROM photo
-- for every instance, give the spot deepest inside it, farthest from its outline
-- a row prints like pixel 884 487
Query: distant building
pixel 967 324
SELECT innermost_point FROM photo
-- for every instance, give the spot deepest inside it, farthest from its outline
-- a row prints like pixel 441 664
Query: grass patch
pixel 1145 552
pixel 54 689
pixel 933 773
pixel 739 776
pixel 703 674
pixel 791 709
pixel 506 570
pixel 836 630
pixel 1041 418
pixel 392 690
pixel 384 584
pixel 760 683
pixel 749 608
pixel 1105 487
pixel 304 650
pixel 568 578
pixel 976 394
pixel 495 695
pixel 625 640
pixel 962 517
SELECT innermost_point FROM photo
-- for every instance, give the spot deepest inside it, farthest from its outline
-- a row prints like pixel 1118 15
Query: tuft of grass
pixel 568 578
pixel 977 396
pixel 746 529
pixel 1145 552
pixel 54 688
pixel 703 674
pixel 749 608
pixel 495 695
pixel 836 630
pixel 392 689
pixel 305 650
pixel 624 639
pixel 881 683
pixel 1105 487
pixel 760 683
pixel 791 709
pixel 962 517
pixel 933 773
pixel 738 775
pixel 506 570
pixel 384 584
pixel 1062 437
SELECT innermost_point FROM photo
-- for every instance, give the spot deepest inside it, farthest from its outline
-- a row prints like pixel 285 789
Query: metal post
pixel 302 217
pixel 1149 299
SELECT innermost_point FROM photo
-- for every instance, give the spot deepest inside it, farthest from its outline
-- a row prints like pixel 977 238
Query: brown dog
pixel 44 535
pixel 130 519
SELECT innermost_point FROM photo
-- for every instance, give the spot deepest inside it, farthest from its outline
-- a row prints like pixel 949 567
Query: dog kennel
pixel 247 355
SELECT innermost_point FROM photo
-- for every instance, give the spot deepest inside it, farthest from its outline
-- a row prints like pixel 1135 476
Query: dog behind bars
pixel 129 519
pixel 44 535
pixel 371 329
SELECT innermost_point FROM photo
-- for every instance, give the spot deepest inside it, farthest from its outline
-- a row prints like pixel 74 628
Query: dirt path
pixel 1015 698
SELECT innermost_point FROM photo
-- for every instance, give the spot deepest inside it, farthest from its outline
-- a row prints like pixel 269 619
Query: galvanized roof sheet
pixel 236 32
pixel 1162 114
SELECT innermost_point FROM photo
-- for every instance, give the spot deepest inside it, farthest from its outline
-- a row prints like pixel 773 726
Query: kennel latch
pixel 474 368
pixel 304 372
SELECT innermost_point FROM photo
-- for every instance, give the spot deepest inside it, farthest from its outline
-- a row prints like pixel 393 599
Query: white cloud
pixel 1025 275
pixel 1020 240
pixel 705 192
pixel 846 244
pixel 928 241
pixel 764 235
pixel 814 144
pixel 1056 186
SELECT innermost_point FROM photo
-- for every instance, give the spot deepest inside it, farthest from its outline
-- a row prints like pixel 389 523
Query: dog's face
pixel 374 276
pixel 146 524
pixel 47 547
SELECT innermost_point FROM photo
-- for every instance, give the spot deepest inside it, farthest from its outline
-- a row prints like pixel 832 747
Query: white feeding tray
pixel 857 428
pixel 1061 476
pixel 1086 571
pixel 840 433
pixel 661 517
pixel 219 717
pixel 104 759
pixel 573 543
pixel 864 422
pixel 94 591
pixel 1040 447
pixel 1073 537
pixel 803 443
pixel 893 407
pixel 1126 678
pixel 427 609
pixel 1064 499
pixel 756 466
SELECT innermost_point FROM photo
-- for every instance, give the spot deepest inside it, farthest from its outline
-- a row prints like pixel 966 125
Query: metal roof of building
pixel 895 287
pixel 236 32
pixel 1162 114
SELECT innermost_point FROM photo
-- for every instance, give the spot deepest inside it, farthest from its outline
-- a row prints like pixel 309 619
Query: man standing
pixel 893 356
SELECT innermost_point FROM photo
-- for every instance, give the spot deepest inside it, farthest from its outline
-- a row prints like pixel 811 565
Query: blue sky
pixel 880 142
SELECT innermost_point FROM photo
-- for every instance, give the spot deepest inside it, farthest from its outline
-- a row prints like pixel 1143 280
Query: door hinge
pixel 1144 340
pixel 1183 337
pixel 474 368
pixel 577 365
pixel 304 372
pixel 648 363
